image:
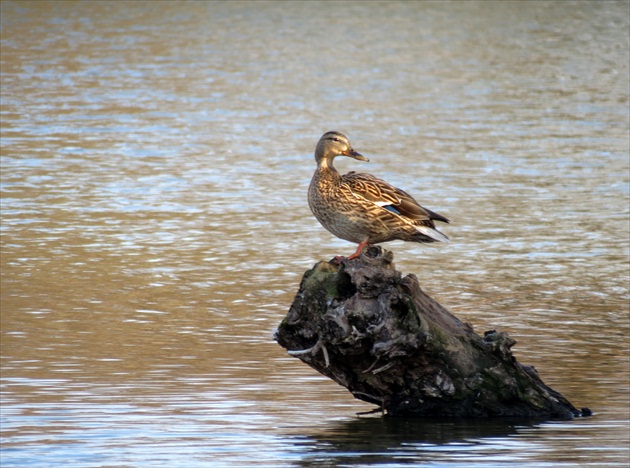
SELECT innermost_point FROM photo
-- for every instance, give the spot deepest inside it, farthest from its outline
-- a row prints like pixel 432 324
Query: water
pixel 155 160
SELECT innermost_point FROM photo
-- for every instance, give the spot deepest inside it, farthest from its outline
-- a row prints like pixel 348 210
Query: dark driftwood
pixel 385 340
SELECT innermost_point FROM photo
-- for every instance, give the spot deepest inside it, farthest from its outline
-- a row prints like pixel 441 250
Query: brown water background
pixel 155 160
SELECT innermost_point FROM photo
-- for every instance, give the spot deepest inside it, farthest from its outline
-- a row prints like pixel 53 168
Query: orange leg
pixel 358 252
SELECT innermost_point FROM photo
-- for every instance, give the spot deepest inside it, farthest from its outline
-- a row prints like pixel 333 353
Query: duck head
pixel 333 144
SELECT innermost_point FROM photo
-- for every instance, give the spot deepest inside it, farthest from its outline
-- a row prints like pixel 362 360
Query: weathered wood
pixel 384 339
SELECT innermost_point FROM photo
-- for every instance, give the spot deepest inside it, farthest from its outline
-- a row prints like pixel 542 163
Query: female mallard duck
pixel 361 208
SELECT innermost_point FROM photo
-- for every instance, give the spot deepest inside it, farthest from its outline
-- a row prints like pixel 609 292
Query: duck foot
pixel 357 254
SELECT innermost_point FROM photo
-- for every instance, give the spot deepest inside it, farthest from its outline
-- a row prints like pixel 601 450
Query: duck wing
pixel 391 198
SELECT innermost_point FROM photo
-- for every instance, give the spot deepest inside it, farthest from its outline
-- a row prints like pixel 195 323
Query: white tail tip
pixel 432 233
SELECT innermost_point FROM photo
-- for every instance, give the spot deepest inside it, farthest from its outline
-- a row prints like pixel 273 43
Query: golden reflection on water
pixel 155 228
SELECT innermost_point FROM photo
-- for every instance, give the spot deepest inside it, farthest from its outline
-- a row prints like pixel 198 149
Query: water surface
pixel 155 160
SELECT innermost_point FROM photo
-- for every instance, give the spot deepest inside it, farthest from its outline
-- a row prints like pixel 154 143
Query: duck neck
pixel 326 170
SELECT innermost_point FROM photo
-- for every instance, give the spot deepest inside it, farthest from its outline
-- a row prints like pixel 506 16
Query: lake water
pixel 155 161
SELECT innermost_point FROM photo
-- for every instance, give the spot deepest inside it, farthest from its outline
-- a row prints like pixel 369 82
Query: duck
pixel 364 209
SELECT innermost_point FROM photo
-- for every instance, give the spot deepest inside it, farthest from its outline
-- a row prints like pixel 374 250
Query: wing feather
pixel 390 198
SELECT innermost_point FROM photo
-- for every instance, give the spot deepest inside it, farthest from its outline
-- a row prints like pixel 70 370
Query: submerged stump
pixel 379 335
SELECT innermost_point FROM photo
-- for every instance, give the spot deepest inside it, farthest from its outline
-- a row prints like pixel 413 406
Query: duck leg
pixel 359 250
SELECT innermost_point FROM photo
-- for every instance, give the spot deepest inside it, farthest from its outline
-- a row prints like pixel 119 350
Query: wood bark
pixel 379 335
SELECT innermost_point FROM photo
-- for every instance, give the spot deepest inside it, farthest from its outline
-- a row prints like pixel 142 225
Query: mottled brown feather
pixel 362 208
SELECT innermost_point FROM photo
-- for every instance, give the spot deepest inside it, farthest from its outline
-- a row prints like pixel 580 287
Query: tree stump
pixel 380 336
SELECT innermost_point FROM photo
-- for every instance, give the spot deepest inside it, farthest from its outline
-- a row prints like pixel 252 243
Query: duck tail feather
pixel 432 233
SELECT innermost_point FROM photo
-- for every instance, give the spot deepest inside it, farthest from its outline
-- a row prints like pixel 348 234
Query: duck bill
pixel 353 154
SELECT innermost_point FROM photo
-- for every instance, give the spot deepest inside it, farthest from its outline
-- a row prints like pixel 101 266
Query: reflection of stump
pixel 385 340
